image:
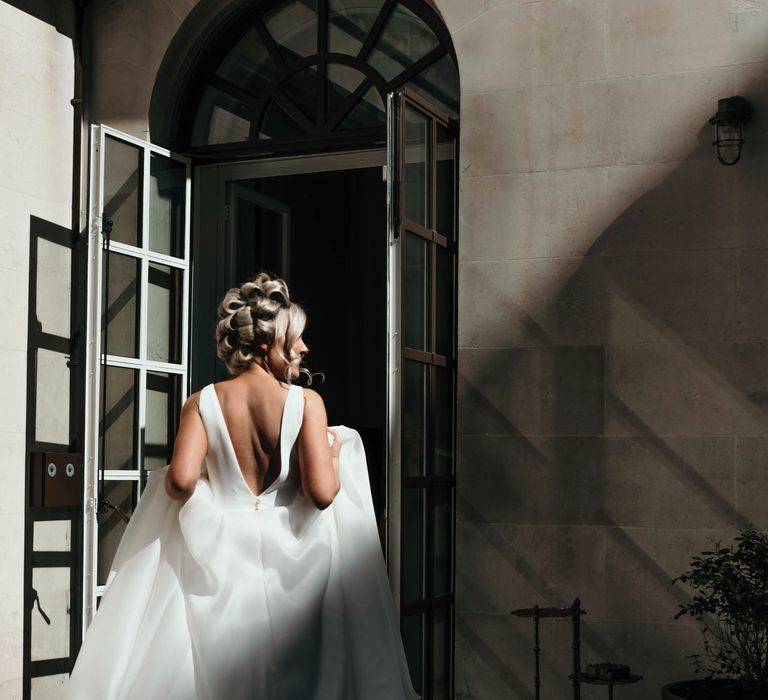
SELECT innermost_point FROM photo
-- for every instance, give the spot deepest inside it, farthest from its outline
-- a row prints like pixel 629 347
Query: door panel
pixel 137 305
pixel 422 391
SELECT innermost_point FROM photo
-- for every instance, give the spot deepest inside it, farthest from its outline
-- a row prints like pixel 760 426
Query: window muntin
pixel 290 70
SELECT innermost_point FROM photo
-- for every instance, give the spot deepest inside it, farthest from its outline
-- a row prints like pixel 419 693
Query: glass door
pixel 136 363
pixel 422 204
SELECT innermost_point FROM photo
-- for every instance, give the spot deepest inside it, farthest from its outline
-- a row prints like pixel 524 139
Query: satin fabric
pixel 235 596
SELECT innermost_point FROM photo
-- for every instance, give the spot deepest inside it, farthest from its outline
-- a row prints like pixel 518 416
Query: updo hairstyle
pixel 259 311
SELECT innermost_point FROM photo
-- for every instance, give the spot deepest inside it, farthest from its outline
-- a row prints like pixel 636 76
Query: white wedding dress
pixel 231 596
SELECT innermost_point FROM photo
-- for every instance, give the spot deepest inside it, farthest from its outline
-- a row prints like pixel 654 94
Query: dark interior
pixel 337 272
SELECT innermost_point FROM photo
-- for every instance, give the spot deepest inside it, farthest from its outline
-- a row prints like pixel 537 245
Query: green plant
pixel 730 586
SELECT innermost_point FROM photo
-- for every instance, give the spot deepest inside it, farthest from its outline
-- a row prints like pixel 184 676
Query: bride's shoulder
pixel 314 404
pixel 192 402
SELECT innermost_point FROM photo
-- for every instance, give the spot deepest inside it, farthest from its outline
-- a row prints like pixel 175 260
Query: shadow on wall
pixel 639 409
pixel 60 15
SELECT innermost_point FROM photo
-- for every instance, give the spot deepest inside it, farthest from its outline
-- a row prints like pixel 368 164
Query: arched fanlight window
pixel 315 72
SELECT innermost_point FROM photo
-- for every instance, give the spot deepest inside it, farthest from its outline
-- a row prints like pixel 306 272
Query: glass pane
pixel 120 316
pixel 349 22
pixel 412 629
pixel 167 196
pixel 415 403
pixel 164 315
pixel 122 495
pixel 369 112
pixel 52 402
pixel 162 413
pixel 413 545
pixel 52 536
pixel 48 687
pixel 441 644
pixel 440 85
pixel 249 65
pixel 404 39
pixel 122 190
pixel 442 410
pixel 417 167
pixel 302 90
pixel 342 81
pixel 416 280
pixel 442 539
pixel 444 302
pixel 446 180
pixel 278 124
pixel 259 231
pixel 119 417
pixel 51 584
pixel 294 26
pixel 221 118
pixel 54 286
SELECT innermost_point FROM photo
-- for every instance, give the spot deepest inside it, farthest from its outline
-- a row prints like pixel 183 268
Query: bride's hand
pixel 336 445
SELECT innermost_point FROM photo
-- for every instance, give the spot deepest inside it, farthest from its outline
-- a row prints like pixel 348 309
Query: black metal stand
pixel 633 678
pixel 575 612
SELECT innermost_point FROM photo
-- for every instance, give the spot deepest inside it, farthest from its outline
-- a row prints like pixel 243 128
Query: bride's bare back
pixel 253 408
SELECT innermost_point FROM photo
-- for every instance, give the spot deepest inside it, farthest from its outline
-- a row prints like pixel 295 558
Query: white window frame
pixel 94 355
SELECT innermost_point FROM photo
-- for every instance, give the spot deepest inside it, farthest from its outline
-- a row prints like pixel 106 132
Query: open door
pixel 137 334
pixel 422 211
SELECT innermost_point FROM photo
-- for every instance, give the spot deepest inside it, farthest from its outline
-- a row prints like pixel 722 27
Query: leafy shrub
pixel 730 599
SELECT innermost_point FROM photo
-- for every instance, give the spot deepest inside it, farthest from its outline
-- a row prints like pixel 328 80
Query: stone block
pixel 531 479
pixel 693 388
pixel 541 214
pixel 457 13
pixel 688 205
pixel 12 456
pixel 539 390
pixel 504 567
pixel 12 571
pixel 526 44
pixel 13 300
pixel 752 481
pixel 125 110
pixel 13 417
pixel 751 290
pixel 555 127
pixel 748 21
pixel 669 481
pixel 120 31
pixel 491 657
pixel 663 36
pixel 632 297
pixel 11 637
pixel 640 564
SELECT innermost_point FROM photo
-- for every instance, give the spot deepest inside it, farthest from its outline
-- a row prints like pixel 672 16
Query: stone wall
pixel 613 357
pixel 36 84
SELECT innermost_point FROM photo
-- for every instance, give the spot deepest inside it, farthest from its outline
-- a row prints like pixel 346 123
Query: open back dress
pixel 238 596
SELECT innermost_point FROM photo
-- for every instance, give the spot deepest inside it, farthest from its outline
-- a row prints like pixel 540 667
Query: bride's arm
pixel 188 451
pixel 317 460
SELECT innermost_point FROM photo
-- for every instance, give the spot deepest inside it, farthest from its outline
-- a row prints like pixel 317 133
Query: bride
pixel 251 568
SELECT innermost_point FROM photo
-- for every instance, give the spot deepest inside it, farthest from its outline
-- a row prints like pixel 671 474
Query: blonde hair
pixel 259 311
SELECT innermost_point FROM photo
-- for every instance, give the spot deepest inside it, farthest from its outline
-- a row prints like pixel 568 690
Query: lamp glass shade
pixel 728 141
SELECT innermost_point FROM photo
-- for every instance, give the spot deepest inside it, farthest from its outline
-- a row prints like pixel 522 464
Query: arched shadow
pixel 623 409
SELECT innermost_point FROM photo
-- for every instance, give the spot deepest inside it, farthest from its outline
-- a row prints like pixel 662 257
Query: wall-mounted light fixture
pixel 732 114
